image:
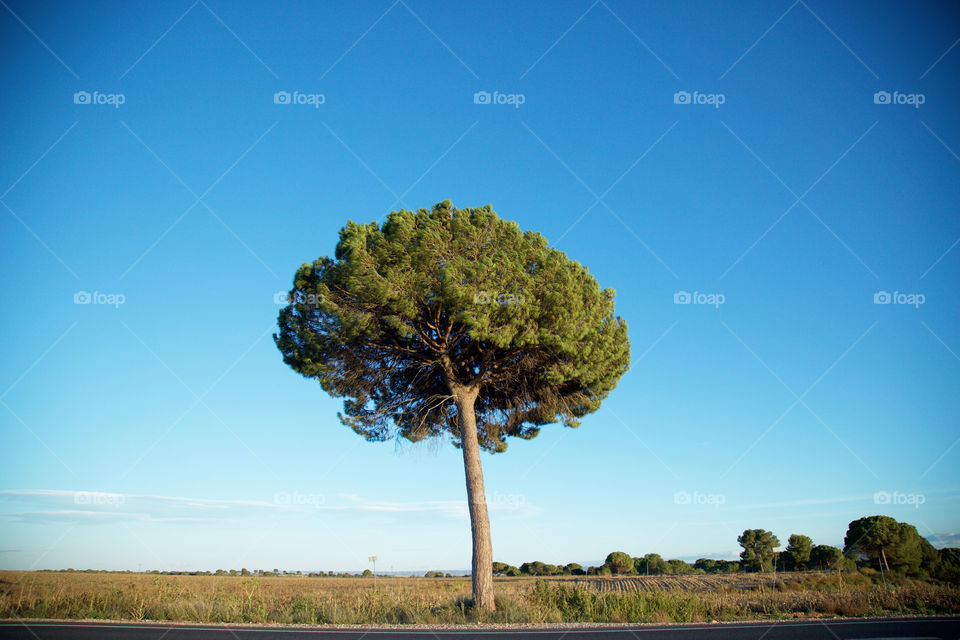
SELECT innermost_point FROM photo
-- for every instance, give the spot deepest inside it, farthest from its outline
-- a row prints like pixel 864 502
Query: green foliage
pixel 537 568
pixel 708 565
pixel 948 565
pixel 651 564
pixel 798 551
pixel 929 559
pixel 447 297
pixel 573 569
pixel 619 563
pixel 576 604
pixel 881 537
pixel 823 556
pixel 678 568
pixel 758 549
pixel 504 569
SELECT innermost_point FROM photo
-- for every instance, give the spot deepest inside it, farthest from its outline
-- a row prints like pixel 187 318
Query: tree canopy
pixel 453 296
pixel 619 562
pixel 651 564
pixel 891 544
pixel 758 546
pixel 823 556
pixel 948 565
pixel 798 551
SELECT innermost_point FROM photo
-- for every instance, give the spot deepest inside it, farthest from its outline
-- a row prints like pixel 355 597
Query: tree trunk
pixel 482 569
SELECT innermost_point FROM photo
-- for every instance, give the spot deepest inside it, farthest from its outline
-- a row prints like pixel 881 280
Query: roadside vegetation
pixel 885 568
pixel 391 600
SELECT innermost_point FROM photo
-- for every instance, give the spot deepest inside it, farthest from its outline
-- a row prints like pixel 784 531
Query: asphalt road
pixel 887 628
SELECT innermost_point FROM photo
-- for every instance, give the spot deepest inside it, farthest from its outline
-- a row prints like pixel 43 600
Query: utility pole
pixel 373 559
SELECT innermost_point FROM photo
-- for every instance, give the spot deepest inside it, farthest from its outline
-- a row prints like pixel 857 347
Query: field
pixel 390 600
pixel 696 583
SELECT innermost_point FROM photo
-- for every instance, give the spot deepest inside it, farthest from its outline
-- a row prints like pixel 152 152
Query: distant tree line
pixel 258 573
pixel 875 542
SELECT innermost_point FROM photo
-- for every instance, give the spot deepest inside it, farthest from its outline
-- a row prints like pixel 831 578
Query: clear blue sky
pixel 797 198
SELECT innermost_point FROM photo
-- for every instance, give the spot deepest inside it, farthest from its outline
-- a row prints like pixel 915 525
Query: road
pixel 875 629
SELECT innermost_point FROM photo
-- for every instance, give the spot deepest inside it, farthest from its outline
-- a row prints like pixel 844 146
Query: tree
pixel 535 568
pixel 456 322
pixel 705 564
pixel 651 564
pixel 883 540
pixel 929 559
pixel 823 556
pixel 678 567
pixel 948 565
pixel 366 573
pixel 573 569
pixel 798 550
pixel 758 546
pixel 619 563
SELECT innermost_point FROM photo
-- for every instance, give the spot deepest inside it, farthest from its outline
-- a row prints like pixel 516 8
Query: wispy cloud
pixel 91 507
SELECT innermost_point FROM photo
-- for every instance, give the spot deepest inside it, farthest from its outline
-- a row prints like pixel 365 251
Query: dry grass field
pixel 389 600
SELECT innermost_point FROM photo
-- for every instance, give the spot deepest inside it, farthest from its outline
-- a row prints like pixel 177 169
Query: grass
pixel 302 600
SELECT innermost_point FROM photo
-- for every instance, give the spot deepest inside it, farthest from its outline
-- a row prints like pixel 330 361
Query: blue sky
pixel 783 167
